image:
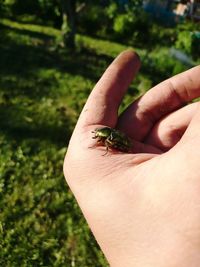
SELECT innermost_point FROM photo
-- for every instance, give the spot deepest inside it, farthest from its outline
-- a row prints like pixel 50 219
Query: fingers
pixel 169 130
pixel 102 105
pixel 162 99
pixel 141 148
pixel 192 133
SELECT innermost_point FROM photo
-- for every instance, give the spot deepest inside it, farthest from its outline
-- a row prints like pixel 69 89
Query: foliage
pixel 123 25
pixel 159 35
pixel 38 11
pixel 1 6
pixel 160 64
pixel 112 10
pixel 195 45
pixel 132 28
pixel 184 41
pixel 93 21
pixel 121 21
pixel 188 42
pixel 134 5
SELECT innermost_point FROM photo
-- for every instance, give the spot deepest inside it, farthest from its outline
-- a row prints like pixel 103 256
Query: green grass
pixel 42 91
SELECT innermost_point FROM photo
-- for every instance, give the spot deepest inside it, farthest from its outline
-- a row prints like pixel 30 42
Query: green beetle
pixel 112 138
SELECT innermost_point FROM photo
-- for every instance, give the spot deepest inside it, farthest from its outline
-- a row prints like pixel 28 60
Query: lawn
pixel 43 88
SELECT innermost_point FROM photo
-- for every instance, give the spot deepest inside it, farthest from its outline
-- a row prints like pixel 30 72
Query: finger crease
pixel 179 98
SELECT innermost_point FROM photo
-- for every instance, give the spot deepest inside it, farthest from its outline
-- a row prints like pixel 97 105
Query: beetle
pixel 112 138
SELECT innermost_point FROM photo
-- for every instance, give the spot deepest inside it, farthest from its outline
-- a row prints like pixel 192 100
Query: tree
pixel 68 28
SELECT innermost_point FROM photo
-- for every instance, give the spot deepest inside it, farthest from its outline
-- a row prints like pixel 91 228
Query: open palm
pixel 143 207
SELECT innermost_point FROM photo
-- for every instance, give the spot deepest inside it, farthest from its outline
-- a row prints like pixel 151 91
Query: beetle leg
pixel 107 146
pixel 110 137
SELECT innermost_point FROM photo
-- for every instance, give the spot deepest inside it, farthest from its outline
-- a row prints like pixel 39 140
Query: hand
pixel 143 207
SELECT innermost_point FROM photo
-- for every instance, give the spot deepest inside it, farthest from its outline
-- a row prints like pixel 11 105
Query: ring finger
pixel 169 130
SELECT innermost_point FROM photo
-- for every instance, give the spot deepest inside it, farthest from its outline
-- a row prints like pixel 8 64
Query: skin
pixel 142 207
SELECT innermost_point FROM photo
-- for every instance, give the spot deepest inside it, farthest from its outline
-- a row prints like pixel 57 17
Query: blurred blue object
pixel 160 13
pixel 181 56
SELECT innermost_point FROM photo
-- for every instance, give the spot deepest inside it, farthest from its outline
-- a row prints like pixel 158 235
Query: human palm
pixel 143 207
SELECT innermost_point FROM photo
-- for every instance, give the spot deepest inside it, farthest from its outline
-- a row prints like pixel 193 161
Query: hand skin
pixel 142 207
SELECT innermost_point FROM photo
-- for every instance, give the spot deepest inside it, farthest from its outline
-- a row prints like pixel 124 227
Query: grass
pixel 42 91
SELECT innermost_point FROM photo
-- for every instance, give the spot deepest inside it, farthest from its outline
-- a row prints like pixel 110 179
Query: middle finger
pixel 139 118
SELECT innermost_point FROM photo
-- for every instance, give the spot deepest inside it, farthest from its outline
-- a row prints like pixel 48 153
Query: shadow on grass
pixel 30 33
pixel 21 61
pixel 16 124
pixel 23 54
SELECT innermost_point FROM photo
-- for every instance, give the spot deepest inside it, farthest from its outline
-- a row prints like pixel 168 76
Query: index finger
pixel 102 105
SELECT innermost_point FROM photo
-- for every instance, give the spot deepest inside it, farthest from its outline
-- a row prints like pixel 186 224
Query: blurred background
pixel 52 52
